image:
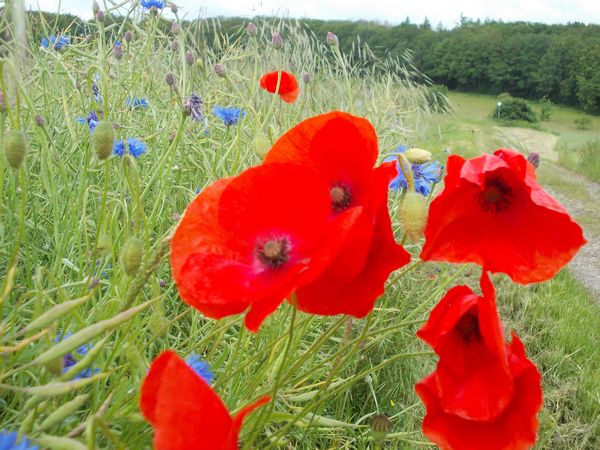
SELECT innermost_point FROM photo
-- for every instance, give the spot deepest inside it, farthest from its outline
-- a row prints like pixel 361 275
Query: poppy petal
pixel 282 83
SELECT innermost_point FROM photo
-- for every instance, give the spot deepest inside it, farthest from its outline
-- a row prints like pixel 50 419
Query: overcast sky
pixel 391 11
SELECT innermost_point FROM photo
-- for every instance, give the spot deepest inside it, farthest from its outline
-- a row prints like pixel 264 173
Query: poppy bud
pixel 135 359
pixel 332 39
pixel 261 144
pixel 103 245
pixel 15 148
pixel 251 29
pixel 534 159
pixel 220 70
pixel 413 214
pixel 277 41
pixel 104 138
pixel 158 323
pixel 380 426
pixel 417 155
pixel 131 256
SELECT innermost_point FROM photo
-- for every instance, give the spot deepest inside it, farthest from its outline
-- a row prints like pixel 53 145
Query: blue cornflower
pixel 69 359
pixel 91 120
pixel 199 366
pixel 425 175
pixel 158 4
pixel 8 441
pixel 137 102
pixel 193 107
pixel 229 116
pixel 135 147
pixel 96 92
pixel 118 43
pixel 56 42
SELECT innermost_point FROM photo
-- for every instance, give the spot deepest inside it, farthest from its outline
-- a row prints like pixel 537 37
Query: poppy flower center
pixel 496 196
pixel 274 252
pixel 340 197
pixel 468 328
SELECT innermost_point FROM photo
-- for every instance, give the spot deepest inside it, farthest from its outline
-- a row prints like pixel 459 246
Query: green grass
pixel 56 208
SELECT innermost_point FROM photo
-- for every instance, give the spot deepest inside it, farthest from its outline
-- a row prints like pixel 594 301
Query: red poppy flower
pixel 185 412
pixel 246 243
pixel 484 394
pixel 287 83
pixel 513 429
pixel 492 212
pixel 343 149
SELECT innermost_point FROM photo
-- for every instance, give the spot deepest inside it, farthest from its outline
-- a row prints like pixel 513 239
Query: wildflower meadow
pixel 237 244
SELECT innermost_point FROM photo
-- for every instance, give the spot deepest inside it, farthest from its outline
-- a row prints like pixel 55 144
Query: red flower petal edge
pixel 185 412
pixel 245 243
pixel 288 85
pixel 343 149
pixel 493 213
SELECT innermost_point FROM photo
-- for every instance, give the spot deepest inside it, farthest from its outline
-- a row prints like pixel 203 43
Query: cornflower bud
pixel 175 28
pixel 306 77
pixel 100 16
pixel 170 79
pixel 189 58
pixel 332 39
pixel 277 40
pixel 88 38
pixel 103 139
pixel 128 36
pixel 380 426
pixel 15 148
pixel 534 159
pixel 95 7
pixel 118 52
pixel 131 256
pixel 174 8
pixel 220 70
pixel 39 121
pixel 174 45
pixel 251 29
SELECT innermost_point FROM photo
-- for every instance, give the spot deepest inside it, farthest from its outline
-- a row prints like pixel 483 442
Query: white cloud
pixel 392 11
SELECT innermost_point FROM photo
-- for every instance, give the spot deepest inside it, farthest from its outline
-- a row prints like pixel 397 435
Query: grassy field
pixel 65 217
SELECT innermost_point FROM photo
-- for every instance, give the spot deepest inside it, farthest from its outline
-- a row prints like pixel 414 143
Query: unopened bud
pixel 128 36
pixel 332 39
pixel 131 256
pixel 417 155
pixel 118 52
pixel 159 324
pixel 103 245
pixel 534 159
pixel 189 58
pixel 103 139
pixel 306 77
pixel 251 29
pixel 277 40
pixel 15 148
pixel 95 7
pixel 380 426
pixel 174 8
pixel 39 121
pixel 174 45
pixel 261 144
pixel 175 28
pixel 413 214
pixel 220 70
pixel 100 16
pixel 170 79
pixel 89 38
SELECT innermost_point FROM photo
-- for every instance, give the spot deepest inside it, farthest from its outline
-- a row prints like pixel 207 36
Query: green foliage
pixel 545 108
pixel 583 123
pixel 514 109
pixel 584 158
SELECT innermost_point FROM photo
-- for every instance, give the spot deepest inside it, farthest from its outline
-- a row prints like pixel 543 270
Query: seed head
pixel 277 40
pixel 251 29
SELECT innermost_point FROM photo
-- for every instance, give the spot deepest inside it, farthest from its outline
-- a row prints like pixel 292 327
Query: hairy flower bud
pixel 417 155
pixel 261 144
pixel 251 29
pixel 103 139
pixel 277 40
pixel 131 256
pixel 15 148
pixel 332 39
pixel 413 214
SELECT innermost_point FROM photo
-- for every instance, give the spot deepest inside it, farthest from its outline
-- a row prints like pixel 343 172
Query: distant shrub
pixel 545 108
pixel 503 96
pixel 583 123
pixel 437 98
pixel 513 108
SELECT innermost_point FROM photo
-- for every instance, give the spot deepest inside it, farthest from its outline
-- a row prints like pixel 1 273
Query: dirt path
pixel 580 196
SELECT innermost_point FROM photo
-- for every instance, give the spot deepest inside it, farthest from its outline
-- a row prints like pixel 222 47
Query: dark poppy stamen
pixel 274 252
pixel 468 327
pixel 340 197
pixel 496 196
